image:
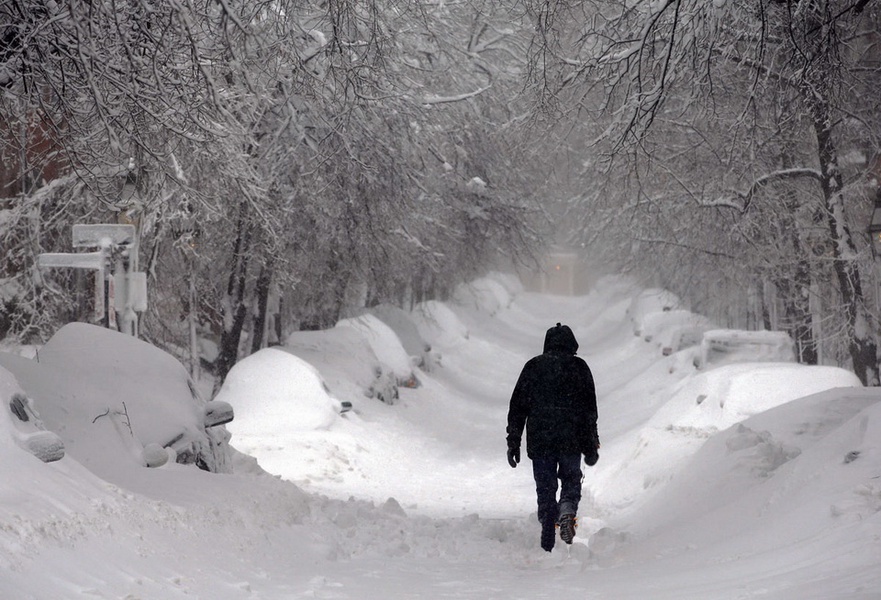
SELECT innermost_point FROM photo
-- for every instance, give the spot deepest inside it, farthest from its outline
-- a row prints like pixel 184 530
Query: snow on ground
pixel 740 481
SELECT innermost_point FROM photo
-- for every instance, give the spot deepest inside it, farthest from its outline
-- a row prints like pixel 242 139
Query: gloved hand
pixel 591 452
pixel 513 457
pixel 591 456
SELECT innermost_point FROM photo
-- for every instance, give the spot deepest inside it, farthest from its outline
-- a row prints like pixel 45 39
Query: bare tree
pixel 789 70
pixel 304 158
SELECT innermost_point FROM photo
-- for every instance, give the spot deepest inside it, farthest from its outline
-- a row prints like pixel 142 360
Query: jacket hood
pixel 560 339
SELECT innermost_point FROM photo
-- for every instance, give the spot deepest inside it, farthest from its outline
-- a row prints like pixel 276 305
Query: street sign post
pixel 120 288
pixel 86 260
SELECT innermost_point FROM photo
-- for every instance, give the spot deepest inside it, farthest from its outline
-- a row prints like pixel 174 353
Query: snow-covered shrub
pixel 14 306
pixel 384 386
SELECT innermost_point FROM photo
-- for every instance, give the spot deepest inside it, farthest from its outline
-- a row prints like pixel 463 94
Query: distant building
pixel 29 156
pixel 562 273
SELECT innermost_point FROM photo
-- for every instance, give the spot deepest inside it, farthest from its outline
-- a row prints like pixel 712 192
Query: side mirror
pixel 217 412
pixel 18 407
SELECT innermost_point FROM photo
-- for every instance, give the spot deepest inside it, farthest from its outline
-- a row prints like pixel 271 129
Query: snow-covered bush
pixel 384 387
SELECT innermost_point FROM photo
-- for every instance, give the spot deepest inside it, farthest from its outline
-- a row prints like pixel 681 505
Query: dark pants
pixel 547 470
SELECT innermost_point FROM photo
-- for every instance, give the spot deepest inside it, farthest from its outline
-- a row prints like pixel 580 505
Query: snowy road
pixel 415 500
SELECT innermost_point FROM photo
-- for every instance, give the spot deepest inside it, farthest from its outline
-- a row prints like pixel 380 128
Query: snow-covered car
pixel 278 395
pixel 23 422
pixel 647 302
pixel 118 402
pixel 401 322
pixel 357 369
pixel 675 330
pixel 726 346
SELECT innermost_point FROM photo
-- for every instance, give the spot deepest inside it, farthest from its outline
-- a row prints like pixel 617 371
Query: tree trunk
pixel 861 346
pixel 261 293
pixel 796 285
pixel 795 295
pixel 193 320
pixel 802 316
pixel 234 306
pixel 277 321
pixel 766 299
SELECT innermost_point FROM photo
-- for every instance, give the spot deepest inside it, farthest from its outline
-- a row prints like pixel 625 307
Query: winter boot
pixel 568 523
pixel 548 535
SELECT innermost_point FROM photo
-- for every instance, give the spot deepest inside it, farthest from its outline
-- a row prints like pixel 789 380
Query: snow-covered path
pixel 416 500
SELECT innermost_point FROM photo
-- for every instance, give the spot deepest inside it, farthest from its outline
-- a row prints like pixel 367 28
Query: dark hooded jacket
pixel 555 399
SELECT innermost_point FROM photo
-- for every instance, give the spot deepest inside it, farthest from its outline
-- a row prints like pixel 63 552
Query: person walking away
pixel 555 400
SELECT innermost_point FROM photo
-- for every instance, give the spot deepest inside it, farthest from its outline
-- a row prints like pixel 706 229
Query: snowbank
pixel 697 405
pixel 711 484
pixel 719 398
pixel 805 470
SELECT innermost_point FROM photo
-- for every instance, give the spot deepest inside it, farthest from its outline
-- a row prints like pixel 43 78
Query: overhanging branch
pixel 427 100
pixel 741 201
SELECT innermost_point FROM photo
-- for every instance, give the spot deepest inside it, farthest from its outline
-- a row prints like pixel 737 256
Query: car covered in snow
pixel 23 424
pixel 726 346
pixel 404 327
pixel 116 402
pixel 277 394
pixel 648 302
pixel 367 354
pixel 675 330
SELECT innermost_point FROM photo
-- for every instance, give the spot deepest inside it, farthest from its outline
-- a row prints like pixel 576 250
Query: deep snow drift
pixel 731 481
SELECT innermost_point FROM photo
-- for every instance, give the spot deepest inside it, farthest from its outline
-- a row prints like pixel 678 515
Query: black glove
pixel 513 457
pixel 591 452
pixel 591 456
